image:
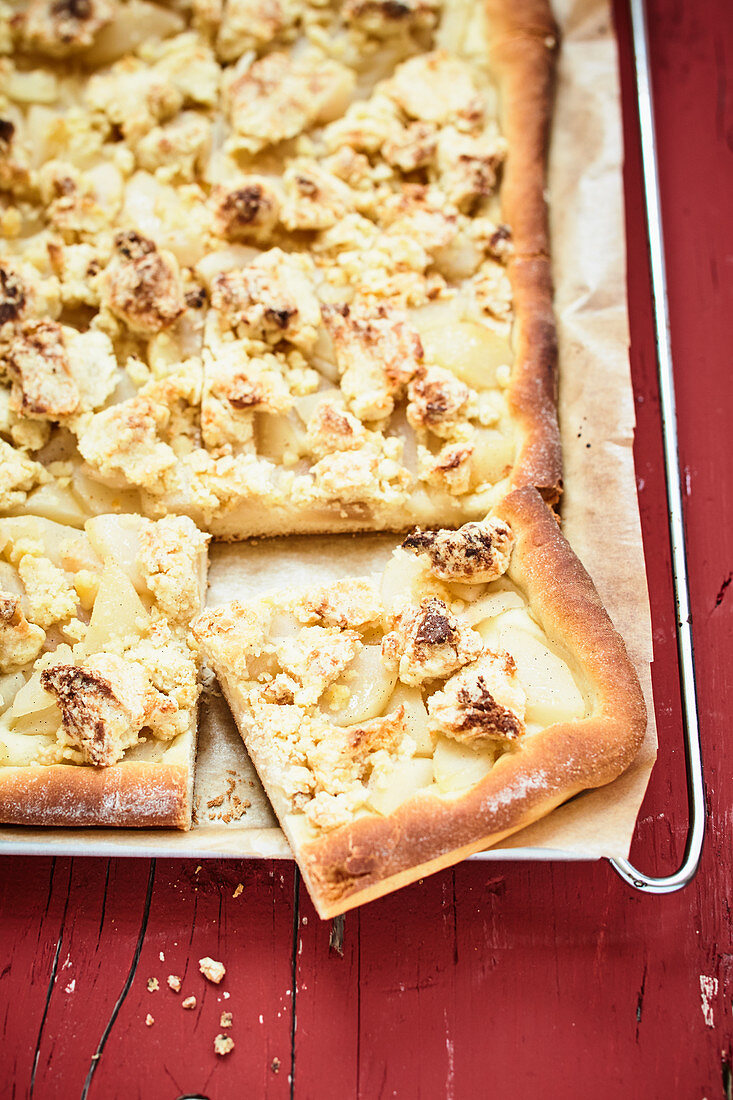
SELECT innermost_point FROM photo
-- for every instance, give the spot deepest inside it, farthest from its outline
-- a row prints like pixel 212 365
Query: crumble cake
pixel 98 684
pixel 277 266
pixel 401 723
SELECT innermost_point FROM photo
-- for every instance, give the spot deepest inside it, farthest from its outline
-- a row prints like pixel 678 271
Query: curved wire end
pixel 668 884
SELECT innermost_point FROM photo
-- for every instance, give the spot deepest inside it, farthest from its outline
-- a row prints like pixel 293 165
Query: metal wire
pixel 695 787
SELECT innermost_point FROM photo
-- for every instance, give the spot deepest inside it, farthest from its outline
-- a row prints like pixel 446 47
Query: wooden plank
pixel 326 1006
pixel 194 913
pixel 33 899
pixel 104 908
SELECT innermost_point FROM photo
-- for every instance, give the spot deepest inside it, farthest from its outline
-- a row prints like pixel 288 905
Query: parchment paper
pixel 599 509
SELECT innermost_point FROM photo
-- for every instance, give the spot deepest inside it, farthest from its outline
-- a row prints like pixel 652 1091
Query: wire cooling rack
pixel 691 729
pixel 271 844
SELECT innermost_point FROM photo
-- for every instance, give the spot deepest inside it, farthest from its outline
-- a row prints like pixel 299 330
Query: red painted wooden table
pixel 504 980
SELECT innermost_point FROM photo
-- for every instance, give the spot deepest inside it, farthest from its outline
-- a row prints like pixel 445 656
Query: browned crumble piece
pixel 225 1019
pixel 212 970
pixel 174 982
pixel 188 1002
pixel 153 985
pixel 223 1044
pixel 149 1021
pixel 238 890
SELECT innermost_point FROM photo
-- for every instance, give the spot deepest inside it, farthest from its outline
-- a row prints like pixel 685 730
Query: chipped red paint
pixel 508 980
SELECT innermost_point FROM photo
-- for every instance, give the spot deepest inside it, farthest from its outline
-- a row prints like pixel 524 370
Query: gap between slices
pixel 427 699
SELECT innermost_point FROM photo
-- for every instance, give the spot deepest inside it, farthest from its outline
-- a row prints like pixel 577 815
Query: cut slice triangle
pixel 400 723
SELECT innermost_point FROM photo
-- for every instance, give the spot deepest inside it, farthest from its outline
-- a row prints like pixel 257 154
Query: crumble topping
pixel 212 970
pixel 62 27
pixel 105 703
pixel 483 702
pixel 39 369
pixel 142 285
pixel 223 1044
pixel 427 642
pixel 18 475
pixel 377 353
pixel 271 299
pixel 51 597
pixel 20 641
pixel 277 97
pixel 345 604
pixel 476 553
pixel 387 17
pixel 249 211
pixel 239 207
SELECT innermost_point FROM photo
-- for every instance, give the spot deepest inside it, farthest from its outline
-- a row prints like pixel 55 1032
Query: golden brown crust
pixel 373 856
pixel 533 391
pixel 523 40
pixel 136 795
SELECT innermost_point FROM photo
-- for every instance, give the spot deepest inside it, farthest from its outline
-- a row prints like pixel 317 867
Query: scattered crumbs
pixel 71 986
pixel 149 1021
pixel 225 995
pixel 225 1020
pixel 153 985
pixel 174 982
pixel 211 969
pixel 97 1056
pixel 223 1044
pixel 238 890
pixel 305 920
pixel 197 869
pixel 162 957
pixel 262 1020
pixel 275 1065
pixel 188 1002
pixel 218 801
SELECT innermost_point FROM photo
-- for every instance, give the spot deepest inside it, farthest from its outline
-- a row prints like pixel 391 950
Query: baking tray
pixel 265 840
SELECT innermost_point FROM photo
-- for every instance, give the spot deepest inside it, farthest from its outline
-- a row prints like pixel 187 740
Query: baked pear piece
pixel 98 684
pixel 401 723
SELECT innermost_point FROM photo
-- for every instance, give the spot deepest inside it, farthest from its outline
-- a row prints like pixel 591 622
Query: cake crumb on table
pixel 174 983
pixel 153 985
pixel 275 1065
pixel 161 957
pixel 149 1020
pixel 211 969
pixel 223 1044
pixel 188 1002
pixel 225 1020
pixel 238 890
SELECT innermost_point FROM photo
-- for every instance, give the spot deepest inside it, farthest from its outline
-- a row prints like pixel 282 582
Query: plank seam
pixel 126 987
pixel 54 971
pixel 294 974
